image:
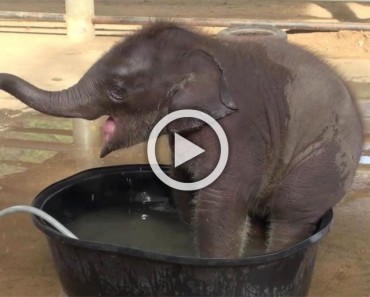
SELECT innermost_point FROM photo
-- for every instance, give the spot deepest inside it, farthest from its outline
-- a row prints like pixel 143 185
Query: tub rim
pixel 272 31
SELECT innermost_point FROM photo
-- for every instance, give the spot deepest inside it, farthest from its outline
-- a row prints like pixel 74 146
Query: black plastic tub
pixel 88 268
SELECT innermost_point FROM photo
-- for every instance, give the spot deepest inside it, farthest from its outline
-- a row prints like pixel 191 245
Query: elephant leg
pixel 183 199
pixel 221 224
pixel 284 233
pixel 306 192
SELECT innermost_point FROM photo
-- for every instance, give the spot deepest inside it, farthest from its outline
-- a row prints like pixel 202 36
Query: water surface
pixel 154 228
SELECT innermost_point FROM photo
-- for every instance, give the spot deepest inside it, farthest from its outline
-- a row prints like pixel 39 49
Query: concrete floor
pixel 36 150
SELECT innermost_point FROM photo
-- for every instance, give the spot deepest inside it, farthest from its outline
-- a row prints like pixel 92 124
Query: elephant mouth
pixel 108 129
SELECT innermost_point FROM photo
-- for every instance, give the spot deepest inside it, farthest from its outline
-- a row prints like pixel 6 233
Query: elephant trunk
pixel 66 103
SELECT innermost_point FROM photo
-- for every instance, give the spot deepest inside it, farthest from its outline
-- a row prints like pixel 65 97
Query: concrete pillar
pixel 88 134
pixel 79 14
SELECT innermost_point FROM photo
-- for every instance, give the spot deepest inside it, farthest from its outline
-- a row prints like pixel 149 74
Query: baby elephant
pixel 295 134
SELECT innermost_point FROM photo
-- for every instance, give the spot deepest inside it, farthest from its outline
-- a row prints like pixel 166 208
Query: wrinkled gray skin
pixel 294 131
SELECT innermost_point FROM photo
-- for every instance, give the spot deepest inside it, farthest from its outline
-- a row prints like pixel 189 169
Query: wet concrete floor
pixel 37 150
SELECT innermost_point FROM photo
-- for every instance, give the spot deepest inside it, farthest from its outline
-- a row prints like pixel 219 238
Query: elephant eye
pixel 118 91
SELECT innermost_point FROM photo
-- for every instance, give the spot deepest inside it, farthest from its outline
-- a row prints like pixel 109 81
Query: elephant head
pixel 161 68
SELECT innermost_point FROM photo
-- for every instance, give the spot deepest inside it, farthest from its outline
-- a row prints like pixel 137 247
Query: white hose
pixel 41 214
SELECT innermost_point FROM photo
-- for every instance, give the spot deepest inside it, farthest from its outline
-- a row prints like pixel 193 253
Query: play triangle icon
pixel 185 150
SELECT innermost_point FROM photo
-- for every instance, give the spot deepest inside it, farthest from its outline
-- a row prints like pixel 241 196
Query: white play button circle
pixel 184 150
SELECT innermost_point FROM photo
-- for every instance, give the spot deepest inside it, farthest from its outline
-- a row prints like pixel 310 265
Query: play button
pixel 184 150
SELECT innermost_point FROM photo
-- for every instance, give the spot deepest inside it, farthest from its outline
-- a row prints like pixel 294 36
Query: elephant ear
pixel 204 88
